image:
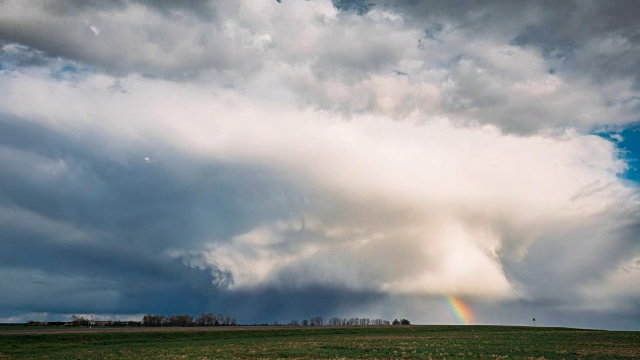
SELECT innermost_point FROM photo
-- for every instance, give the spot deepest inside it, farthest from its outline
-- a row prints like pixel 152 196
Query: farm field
pixel 407 342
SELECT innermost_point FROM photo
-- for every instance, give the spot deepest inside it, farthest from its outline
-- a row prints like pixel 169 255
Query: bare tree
pixel 182 320
pixel 79 320
pixel 205 319
pixel 316 321
pixel 153 320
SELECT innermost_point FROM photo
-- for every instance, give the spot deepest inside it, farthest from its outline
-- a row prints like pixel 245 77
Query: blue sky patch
pixel 628 140
pixel 69 71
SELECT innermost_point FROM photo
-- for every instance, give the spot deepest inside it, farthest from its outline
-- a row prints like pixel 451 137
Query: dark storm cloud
pixel 267 305
pixel 55 173
pixel 548 312
pixel 587 254
pixel 76 221
pixel 83 233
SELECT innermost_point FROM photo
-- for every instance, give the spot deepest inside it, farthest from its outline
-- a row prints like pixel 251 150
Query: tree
pixel 229 321
pixel 379 322
pixel 182 320
pixel 206 319
pixel 316 321
pixel 79 320
pixel 405 322
pixel 305 322
pixel 153 320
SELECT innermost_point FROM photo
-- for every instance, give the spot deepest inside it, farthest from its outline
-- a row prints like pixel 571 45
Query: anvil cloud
pixel 280 160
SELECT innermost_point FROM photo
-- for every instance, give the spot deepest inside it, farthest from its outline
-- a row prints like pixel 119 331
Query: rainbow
pixel 460 310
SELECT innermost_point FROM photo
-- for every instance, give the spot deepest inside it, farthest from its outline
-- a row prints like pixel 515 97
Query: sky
pixel 279 160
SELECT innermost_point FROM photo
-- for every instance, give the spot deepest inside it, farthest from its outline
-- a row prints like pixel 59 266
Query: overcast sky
pixel 278 160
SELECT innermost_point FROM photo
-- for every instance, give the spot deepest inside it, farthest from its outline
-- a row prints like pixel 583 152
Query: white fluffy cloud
pixel 418 207
pixel 375 63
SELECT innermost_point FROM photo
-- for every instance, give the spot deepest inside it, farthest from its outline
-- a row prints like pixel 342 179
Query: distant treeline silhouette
pixel 336 321
pixel 206 319
pixel 82 321
pixel 212 319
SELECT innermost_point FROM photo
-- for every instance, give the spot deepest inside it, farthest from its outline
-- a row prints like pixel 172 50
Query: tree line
pixel 150 320
pixel 212 319
pixel 205 319
pixel 337 321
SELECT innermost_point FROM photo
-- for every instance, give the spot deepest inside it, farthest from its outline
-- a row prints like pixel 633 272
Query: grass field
pixel 411 342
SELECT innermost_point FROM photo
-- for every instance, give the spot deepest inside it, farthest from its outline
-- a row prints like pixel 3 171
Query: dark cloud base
pixel 129 214
pixel 126 216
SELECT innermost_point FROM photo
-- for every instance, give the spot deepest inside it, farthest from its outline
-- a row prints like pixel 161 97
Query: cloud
pixel 587 46
pixel 133 38
pixel 300 153
pixel 95 30
pixel 434 197
pixel 616 292
pixel 463 64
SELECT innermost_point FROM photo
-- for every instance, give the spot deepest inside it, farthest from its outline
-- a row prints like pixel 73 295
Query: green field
pixel 410 342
